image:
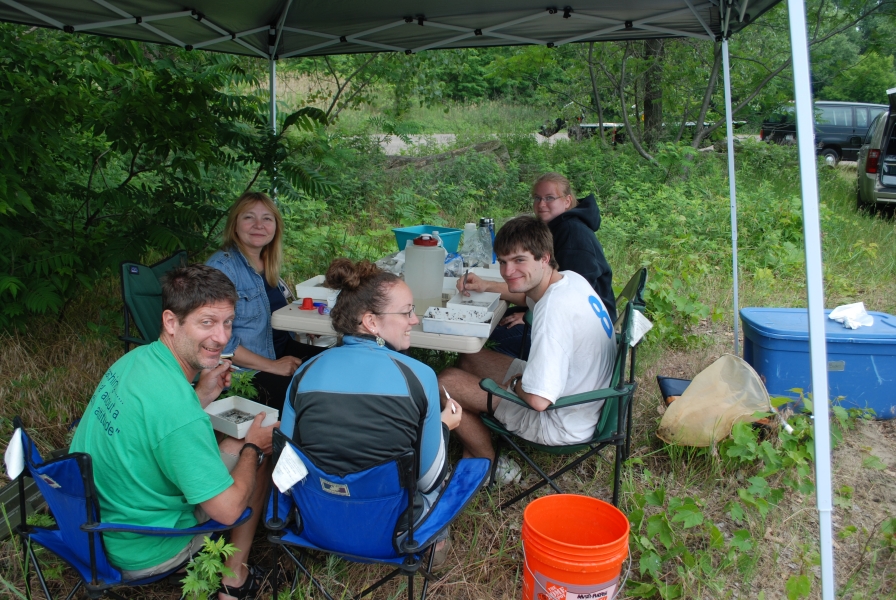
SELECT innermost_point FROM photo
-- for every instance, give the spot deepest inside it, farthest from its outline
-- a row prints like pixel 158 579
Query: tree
pixel 113 150
pixel 866 81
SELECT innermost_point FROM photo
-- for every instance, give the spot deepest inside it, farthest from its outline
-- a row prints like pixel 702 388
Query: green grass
pixel 674 219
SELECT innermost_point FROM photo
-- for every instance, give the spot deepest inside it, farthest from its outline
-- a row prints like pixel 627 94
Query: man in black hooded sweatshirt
pixel 576 248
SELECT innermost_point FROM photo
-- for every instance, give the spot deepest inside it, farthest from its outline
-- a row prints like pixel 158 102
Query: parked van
pixel 840 128
pixel 876 168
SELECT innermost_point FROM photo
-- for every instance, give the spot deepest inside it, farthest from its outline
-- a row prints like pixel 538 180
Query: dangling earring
pixel 380 341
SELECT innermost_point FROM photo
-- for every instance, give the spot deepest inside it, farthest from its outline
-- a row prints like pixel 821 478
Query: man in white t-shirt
pixel 573 350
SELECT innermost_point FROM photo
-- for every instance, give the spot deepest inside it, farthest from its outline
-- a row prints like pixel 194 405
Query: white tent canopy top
pixel 285 28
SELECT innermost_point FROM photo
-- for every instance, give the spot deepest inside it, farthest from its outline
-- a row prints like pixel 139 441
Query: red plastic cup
pixel 307 304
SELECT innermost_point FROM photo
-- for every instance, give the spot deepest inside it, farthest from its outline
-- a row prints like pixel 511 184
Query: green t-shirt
pixel 154 454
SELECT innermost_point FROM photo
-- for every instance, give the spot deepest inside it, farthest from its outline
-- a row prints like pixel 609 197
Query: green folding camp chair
pixel 614 424
pixel 141 293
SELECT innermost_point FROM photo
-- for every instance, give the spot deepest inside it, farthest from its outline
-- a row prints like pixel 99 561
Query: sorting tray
pixel 218 408
pixel 487 300
pixel 475 322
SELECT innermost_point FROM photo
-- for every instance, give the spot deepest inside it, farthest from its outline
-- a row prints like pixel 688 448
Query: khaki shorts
pixel 191 548
pixel 524 422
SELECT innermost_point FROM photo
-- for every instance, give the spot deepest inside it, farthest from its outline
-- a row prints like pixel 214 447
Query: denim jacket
pixel 252 325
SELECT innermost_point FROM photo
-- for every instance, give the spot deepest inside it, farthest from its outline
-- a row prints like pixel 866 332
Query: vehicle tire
pixel 831 157
pixel 861 205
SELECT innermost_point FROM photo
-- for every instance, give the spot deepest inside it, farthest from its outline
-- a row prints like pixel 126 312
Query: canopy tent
pixel 284 28
pixel 276 29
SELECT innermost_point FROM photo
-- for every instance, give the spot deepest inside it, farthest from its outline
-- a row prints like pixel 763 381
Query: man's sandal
pixel 254 580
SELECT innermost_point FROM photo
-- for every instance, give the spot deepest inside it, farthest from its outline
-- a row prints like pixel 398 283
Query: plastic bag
pixel 852 316
pixel 726 392
pixel 454 265
pixel 393 263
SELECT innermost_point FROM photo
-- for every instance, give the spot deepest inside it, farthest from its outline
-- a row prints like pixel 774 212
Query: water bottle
pixel 470 248
pixel 491 228
pixel 485 242
pixel 424 268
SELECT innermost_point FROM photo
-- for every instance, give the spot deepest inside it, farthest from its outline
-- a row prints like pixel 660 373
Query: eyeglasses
pixel 546 199
pixel 409 314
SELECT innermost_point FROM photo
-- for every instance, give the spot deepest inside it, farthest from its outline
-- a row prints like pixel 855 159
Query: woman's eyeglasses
pixel 546 199
pixel 409 314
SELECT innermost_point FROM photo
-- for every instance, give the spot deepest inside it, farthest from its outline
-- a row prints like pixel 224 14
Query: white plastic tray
pixel 487 300
pixel 238 430
pixel 451 326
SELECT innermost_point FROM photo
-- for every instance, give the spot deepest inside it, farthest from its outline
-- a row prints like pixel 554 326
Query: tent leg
pixel 802 85
pixel 273 94
pixel 273 111
pixel 732 192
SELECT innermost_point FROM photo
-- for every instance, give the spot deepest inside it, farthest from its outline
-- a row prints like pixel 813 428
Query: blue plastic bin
pixel 861 362
pixel 450 237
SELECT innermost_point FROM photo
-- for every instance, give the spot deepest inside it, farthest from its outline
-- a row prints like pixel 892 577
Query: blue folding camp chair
pixel 67 485
pixel 362 517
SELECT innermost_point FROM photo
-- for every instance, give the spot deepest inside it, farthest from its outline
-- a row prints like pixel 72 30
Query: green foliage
pixel 115 150
pixel 797 586
pixel 204 571
pixel 241 385
pixel 866 81
pixel 679 550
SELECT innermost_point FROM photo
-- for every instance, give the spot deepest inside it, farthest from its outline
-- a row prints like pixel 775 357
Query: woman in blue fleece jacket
pixel 365 402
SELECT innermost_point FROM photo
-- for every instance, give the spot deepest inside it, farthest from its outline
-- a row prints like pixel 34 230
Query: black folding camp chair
pixel 614 423
pixel 141 294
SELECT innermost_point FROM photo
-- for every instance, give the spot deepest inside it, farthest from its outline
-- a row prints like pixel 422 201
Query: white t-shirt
pixel 573 351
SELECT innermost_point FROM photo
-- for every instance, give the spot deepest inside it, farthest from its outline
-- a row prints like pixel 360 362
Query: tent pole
pixel 732 191
pixel 272 86
pixel 802 86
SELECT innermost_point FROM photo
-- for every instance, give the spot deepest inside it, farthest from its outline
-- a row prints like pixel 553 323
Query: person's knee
pixel 231 445
pixel 447 379
pixel 465 362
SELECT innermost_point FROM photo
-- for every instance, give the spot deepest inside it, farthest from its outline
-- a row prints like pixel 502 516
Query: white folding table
pixel 292 318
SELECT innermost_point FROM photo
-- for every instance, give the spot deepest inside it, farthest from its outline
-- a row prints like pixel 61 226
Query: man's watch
pixel 258 451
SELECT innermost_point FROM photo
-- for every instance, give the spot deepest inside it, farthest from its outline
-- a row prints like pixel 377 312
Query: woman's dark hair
pixel 363 286
pixel 187 288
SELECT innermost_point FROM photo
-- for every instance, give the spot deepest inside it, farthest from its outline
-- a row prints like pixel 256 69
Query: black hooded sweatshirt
pixel 576 249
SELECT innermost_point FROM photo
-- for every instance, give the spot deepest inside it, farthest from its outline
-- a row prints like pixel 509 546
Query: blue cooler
pixel 861 362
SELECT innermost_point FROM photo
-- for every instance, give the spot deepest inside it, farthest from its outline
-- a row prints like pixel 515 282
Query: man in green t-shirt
pixel 156 461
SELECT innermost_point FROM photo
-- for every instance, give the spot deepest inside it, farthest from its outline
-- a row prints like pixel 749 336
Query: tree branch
pixel 596 96
pixel 700 134
pixel 341 88
pixel 628 128
pixel 746 100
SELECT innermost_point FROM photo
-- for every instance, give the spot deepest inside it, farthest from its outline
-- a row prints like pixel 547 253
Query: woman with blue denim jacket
pixel 251 255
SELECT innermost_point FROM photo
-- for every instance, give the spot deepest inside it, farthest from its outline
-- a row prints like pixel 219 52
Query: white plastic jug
pixel 424 268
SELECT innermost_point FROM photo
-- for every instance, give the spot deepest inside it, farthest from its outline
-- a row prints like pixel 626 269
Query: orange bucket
pixel 573 548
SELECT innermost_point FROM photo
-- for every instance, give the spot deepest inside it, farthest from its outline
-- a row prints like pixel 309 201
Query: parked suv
pixel 876 166
pixel 840 128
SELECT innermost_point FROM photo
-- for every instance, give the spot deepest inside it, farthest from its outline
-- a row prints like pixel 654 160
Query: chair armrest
pixel 492 388
pixel 469 475
pixel 285 503
pixel 207 527
pixel 586 397
pixel 133 340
